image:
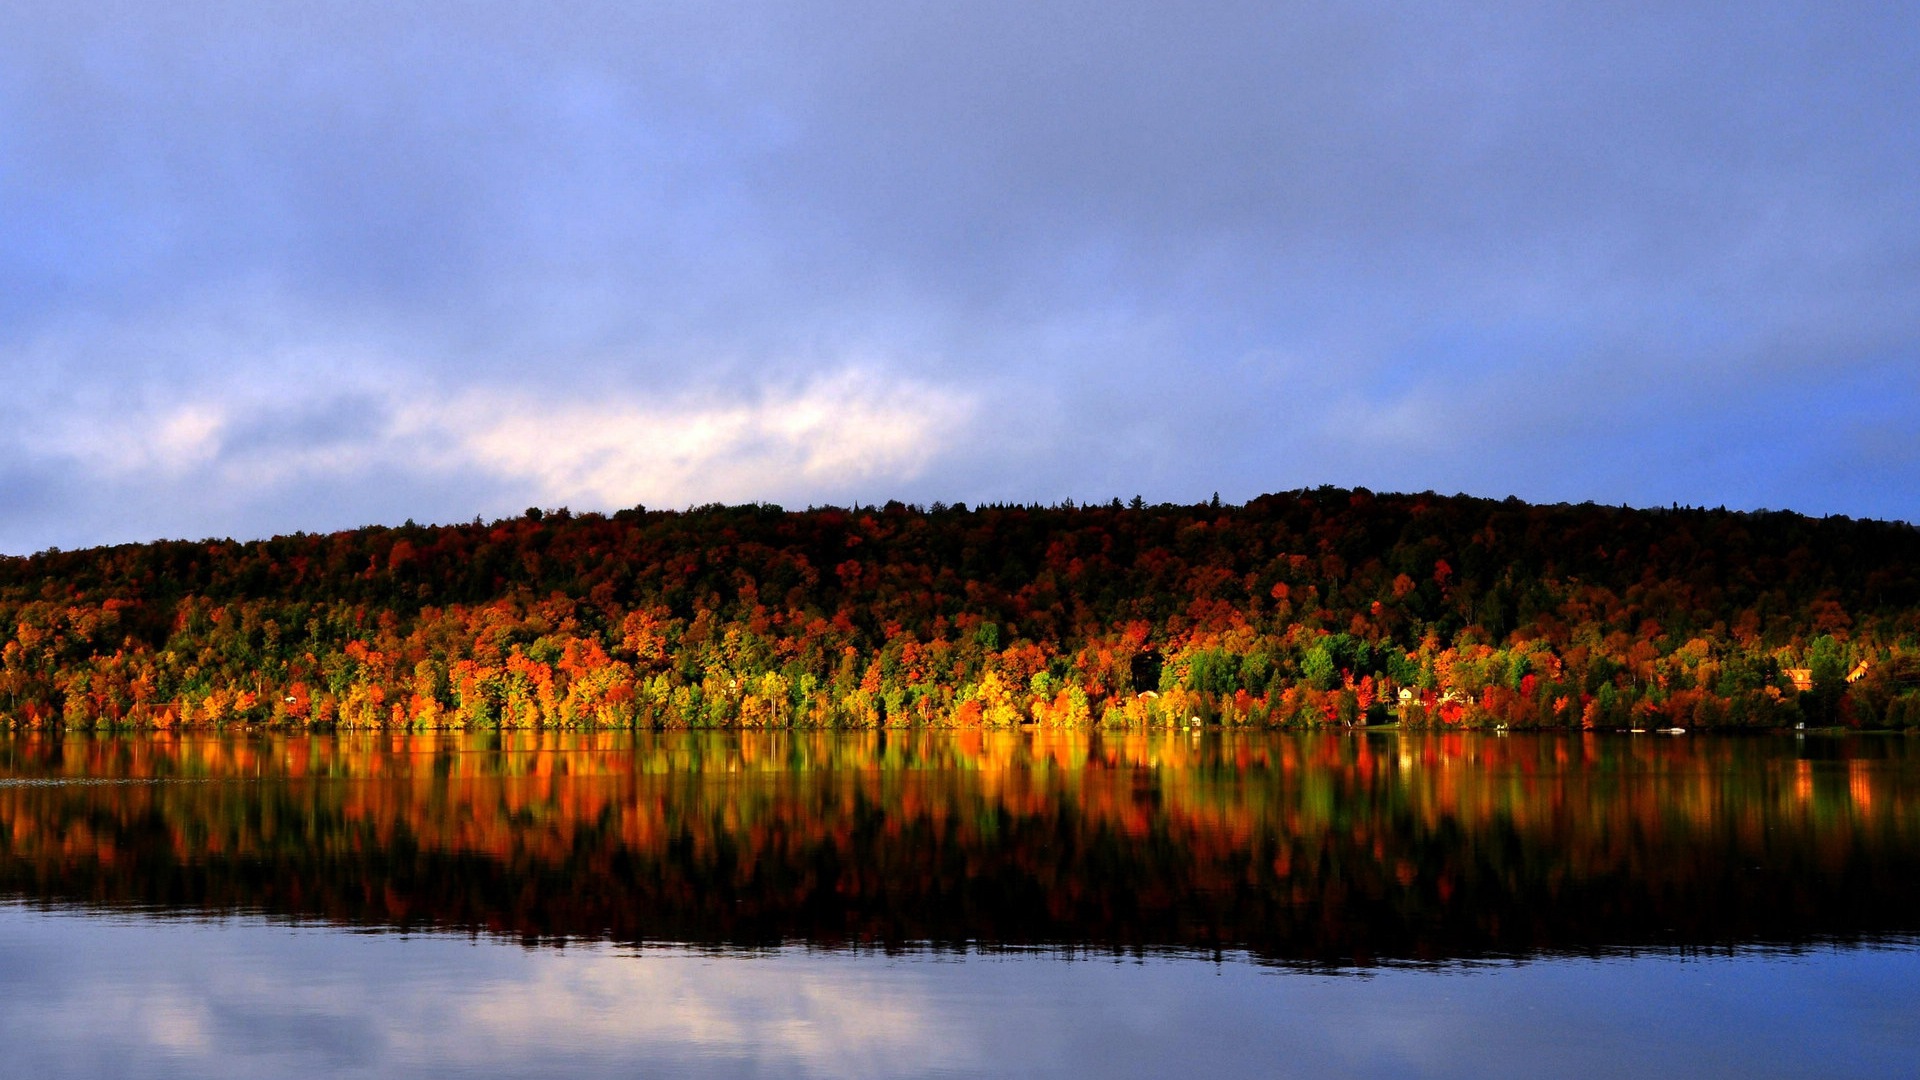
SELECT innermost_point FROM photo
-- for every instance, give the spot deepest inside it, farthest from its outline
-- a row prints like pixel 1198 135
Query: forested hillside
pixel 1325 606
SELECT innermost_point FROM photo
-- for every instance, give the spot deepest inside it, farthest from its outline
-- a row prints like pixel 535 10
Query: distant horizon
pixel 566 512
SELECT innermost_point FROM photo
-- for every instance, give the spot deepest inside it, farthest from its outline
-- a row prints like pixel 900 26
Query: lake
pixel 959 903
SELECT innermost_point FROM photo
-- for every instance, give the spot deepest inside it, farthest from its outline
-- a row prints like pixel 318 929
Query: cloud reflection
pixel 85 995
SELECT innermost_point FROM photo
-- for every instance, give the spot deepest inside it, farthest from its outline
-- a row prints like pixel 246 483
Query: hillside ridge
pixel 1317 606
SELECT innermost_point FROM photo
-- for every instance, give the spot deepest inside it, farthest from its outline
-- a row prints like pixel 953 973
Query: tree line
pixel 1325 606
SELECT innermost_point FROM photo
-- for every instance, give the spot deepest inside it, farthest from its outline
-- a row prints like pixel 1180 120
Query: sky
pixel 309 266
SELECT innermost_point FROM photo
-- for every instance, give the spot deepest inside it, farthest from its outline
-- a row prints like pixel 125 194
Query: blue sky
pixel 267 267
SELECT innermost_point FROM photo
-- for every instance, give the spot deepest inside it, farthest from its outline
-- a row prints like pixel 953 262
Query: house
pixel 1803 677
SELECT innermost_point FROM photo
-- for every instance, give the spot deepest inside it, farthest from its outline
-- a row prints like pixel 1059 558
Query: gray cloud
pixel 1636 254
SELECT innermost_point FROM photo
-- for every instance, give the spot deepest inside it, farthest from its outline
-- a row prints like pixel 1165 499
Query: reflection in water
pixel 1305 849
pixel 87 995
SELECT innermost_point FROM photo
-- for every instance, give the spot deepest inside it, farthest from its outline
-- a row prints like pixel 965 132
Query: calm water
pixel 959 904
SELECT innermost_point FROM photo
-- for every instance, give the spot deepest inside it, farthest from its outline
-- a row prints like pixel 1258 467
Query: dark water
pixel 962 904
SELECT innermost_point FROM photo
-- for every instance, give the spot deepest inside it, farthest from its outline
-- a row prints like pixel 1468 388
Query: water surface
pixel 959 904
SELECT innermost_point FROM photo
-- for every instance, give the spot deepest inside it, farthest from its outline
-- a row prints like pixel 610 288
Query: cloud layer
pixel 310 265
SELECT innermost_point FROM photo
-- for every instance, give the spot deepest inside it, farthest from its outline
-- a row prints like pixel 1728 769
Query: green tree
pixel 1317 666
pixel 1827 666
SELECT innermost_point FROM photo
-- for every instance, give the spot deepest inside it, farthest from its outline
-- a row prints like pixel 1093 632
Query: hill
pixel 1307 607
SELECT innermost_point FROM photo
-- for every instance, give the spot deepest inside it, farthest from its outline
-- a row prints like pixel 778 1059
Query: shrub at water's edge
pixel 1307 608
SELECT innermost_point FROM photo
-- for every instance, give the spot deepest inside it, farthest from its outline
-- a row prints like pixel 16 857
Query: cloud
pixel 1085 249
pixel 830 434
pixel 840 433
pixel 258 412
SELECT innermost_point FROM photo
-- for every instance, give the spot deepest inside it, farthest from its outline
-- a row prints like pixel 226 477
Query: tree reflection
pixel 1308 848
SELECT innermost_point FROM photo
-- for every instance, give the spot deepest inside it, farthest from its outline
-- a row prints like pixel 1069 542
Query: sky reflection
pixel 86 994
